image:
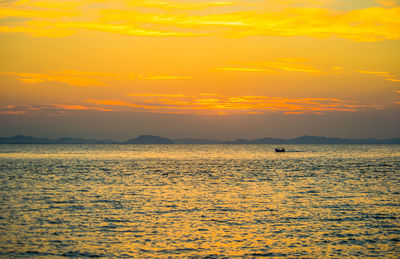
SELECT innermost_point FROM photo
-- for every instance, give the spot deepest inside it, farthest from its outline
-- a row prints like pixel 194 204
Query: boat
pixel 279 150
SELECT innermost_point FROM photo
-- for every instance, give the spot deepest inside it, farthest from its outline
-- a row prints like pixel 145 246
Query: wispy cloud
pixel 184 5
pixel 397 102
pixel 377 73
pixel 244 69
pixel 118 103
pixel 392 79
pixel 184 19
pixel 203 104
pixel 163 77
pixel 225 105
pixel 386 75
pixel 286 64
pixel 77 107
pixel 48 109
pixel 160 95
pixel 84 79
pixel 388 3
pixel 74 78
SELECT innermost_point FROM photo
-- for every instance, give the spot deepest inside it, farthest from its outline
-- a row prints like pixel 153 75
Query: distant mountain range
pixel 149 139
pixel 299 140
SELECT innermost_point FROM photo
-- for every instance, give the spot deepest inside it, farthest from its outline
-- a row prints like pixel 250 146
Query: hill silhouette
pixel 150 139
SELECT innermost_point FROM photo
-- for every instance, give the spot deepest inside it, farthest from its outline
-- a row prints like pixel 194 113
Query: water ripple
pixel 199 201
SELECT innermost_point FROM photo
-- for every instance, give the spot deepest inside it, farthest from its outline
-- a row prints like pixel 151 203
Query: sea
pixel 199 201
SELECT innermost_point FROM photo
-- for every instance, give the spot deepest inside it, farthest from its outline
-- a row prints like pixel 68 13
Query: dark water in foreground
pixel 199 200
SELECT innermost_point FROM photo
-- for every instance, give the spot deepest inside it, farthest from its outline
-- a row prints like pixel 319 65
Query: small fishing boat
pixel 279 150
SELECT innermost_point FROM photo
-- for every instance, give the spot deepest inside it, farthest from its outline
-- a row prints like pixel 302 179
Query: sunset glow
pixel 201 58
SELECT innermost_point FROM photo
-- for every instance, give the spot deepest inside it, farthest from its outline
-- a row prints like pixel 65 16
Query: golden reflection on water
pixel 211 200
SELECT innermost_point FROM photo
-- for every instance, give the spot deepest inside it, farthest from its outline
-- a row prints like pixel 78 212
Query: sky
pixel 200 69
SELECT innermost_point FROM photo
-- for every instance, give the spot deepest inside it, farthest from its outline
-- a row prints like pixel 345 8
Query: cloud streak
pixel 49 109
pixel 228 105
pixel 84 79
pixel 164 77
pixel 388 3
pixel 201 104
pixel 244 69
pixel 166 19
pixel 74 78
pixel 291 65
pixel 386 75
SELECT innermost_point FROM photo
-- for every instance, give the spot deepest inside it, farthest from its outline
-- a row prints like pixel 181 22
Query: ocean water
pixel 199 201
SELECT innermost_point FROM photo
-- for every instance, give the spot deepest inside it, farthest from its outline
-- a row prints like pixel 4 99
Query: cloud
pixel 184 5
pixel 47 108
pixel 166 19
pixel 30 10
pixel 13 112
pixel 294 67
pixel 160 95
pixel 163 77
pixel 53 29
pixel 118 103
pixel 82 78
pixel 74 78
pixel 78 107
pixel 203 104
pixel 225 105
pixel 370 24
pixel 286 64
pixel 386 75
pixel 300 2
pixel 392 79
pixel 377 73
pixel 388 3
pixel 243 69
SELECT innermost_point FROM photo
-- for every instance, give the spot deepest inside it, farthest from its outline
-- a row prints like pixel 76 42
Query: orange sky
pixel 215 69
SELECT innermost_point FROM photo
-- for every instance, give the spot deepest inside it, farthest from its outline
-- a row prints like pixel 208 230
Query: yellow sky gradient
pixel 200 58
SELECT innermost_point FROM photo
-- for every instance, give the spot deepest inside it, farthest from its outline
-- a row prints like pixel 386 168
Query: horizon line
pixel 202 138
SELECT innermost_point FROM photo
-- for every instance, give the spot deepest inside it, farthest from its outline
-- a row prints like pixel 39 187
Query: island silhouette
pixel 151 139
